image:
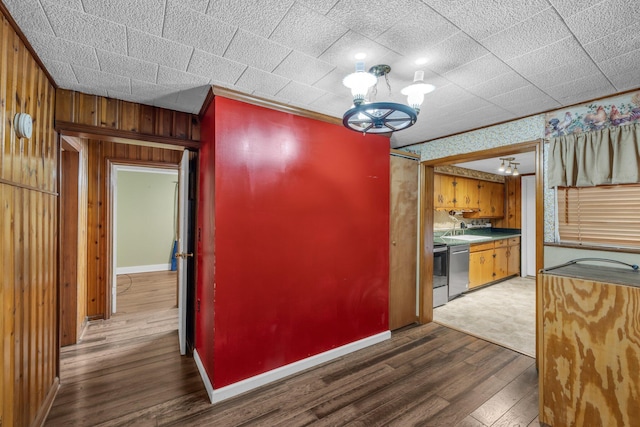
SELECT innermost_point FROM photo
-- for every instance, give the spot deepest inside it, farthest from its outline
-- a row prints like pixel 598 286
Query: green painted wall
pixel 145 218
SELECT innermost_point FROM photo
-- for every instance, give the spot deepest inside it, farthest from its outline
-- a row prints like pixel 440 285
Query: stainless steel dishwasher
pixel 458 270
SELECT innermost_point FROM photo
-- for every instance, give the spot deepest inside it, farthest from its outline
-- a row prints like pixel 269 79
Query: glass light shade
pixel 359 83
pixel 515 171
pixel 508 169
pixel 501 168
pixel 415 92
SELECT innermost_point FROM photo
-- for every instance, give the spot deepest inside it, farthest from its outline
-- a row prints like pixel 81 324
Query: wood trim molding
pixel 274 105
pixel 425 251
pixel 207 101
pixel 115 135
pixel 47 403
pixel 405 154
pixel 503 150
pixel 27 187
pixel 22 37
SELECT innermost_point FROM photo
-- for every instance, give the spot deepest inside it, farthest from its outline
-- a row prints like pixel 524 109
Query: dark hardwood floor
pixel 127 372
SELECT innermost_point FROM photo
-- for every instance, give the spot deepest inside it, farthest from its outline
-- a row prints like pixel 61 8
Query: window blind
pixel 607 215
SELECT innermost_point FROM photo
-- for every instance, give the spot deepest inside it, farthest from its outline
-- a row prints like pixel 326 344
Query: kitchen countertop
pixel 597 273
pixel 487 234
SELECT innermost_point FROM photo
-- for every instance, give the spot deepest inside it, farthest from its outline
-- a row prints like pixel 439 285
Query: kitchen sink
pixel 467 238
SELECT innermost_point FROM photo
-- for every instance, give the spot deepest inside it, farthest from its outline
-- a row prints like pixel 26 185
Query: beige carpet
pixel 504 313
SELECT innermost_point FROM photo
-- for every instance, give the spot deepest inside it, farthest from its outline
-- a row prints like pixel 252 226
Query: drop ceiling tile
pixel 625 81
pixel 453 52
pixel 566 8
pixel 165 52
pixel 332 82
pixel 500 84
pixel 417 31
pixel 538 31
pixel 518 96
pixel 255 51
pixel 342 52
pixel 322 6
pixel 448 94
pixel 558 54
pixel 49 46
pixel 534 106
pixel 29 15
pixel 202 31
pixel 193 98
pixel 253 79
pixel 174 78
pixel 259 17
pixel 152 92
pixel 145 15
pixel 564 74
pixel 61 72
pixel 307 31
pixel 480 19
pixel 332 104
pixel 73 25
pixel 90 90
pixel 371 17
pixel 299 94
pixel 447 8
pixel 603 19
pixel 197 5
pixel 127 66
pixel 303 68
pixel 627 63
pixel 622 41
pixel 215 67
pixel 478 71
pixel 580 89
pixel 102 80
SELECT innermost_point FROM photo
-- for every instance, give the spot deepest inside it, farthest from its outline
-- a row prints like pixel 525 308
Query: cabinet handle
pixel 494 255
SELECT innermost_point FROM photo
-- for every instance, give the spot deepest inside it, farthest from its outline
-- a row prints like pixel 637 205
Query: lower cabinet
pixel 493 261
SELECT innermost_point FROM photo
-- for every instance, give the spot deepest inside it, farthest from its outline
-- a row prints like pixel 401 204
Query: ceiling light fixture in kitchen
pixel 382 117
pixel 502 167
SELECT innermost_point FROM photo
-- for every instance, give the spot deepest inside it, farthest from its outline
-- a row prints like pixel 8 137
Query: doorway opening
pixel 491 309
pixel 144 231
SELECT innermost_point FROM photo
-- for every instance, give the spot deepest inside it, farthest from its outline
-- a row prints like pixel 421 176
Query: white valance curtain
pixel 607 156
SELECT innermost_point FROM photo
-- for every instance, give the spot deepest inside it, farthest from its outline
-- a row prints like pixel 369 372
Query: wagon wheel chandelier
pixel 382 117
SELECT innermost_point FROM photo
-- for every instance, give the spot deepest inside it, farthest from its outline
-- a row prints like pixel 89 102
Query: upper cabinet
pixel 482 199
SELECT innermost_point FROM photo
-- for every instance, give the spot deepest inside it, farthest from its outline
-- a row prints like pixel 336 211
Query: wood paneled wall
pixel 28 227
pixel 512 204
pixel 80 114
pixel 100 156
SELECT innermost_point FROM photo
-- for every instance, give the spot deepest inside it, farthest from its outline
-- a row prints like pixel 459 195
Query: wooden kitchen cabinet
pixel 492 261
pixel 490 200
pixel 466 192
pixel 444 191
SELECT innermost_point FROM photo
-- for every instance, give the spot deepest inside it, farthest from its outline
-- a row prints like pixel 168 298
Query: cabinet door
pixel 443 191
pixel 480 268
pixel 466 193
pixel 513 264
pixel 497 200
pixel 490 200
pixel 500 263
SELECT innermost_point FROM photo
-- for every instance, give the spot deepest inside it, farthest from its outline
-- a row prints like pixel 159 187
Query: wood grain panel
pixel 513 204
pixel 403 228
pixel 590 353
pixel 100 154
pixel 28 226
pixel 92 116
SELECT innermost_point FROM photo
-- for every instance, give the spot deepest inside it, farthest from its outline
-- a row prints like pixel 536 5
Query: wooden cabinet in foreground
pixel 589 346
pixel 492 261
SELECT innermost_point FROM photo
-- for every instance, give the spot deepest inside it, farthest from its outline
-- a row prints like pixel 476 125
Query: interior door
pixel 403 230
pixel 182 252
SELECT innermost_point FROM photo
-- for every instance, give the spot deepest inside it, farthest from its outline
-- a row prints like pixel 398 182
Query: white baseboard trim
pixel 143 268
pixel 203 374
pixel 218 395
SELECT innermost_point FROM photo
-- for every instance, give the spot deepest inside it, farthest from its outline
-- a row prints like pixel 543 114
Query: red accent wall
pixel 301 240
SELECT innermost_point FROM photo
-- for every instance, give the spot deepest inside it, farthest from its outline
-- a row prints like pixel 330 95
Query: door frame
pixel 426 219
pixel 113 166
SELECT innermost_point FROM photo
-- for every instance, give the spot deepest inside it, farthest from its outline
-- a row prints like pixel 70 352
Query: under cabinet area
pixel 481 199
pixel 492 261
